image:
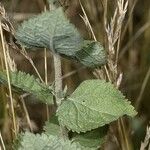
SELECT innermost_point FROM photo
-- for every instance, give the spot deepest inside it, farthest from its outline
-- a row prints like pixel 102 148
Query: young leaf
pixel 52 127
pixel 27 83
pixel 94 138
pixel 30 141
pixel 50 30
pixel 93 104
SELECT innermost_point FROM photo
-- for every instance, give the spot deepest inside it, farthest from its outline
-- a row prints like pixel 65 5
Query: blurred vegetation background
pixel 134 58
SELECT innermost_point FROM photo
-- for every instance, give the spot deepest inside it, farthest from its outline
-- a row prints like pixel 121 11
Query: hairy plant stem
pixel 58 88
pixel 58 76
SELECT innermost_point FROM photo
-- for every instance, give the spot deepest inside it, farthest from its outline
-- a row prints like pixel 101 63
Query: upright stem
pixel 57 68
pixel 58 77
pixel 58 87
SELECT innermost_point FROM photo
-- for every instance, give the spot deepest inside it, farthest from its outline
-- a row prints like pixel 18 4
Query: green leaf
pixel 94 138
pixel 27 83
pixel 50 30
pixel 52 126
pixel 93 104
pixel 30 141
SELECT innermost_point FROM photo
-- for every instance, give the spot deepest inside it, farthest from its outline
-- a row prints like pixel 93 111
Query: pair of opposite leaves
pixel 53 30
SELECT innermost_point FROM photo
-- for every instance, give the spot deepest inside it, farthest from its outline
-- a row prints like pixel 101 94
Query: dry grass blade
pixel 25 54
pixel 2 142
pixel 87 22
pixel 113 31
pixel 134 38
pixel 11 62
pixel 146 140
pixel 26 113
pixel 6 24
pixel 138 101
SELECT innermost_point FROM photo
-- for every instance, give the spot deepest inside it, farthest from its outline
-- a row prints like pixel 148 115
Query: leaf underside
pixel 53 30
pixel 26 83
pixel 30 141
pixel 93 104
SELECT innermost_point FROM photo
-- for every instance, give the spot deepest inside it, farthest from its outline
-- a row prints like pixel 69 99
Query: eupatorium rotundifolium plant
pixel 94 104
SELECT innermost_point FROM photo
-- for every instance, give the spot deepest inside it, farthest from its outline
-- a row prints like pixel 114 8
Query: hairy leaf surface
pixel 47 142
pixel 27 83
pixel 93 104
pixel 52 30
